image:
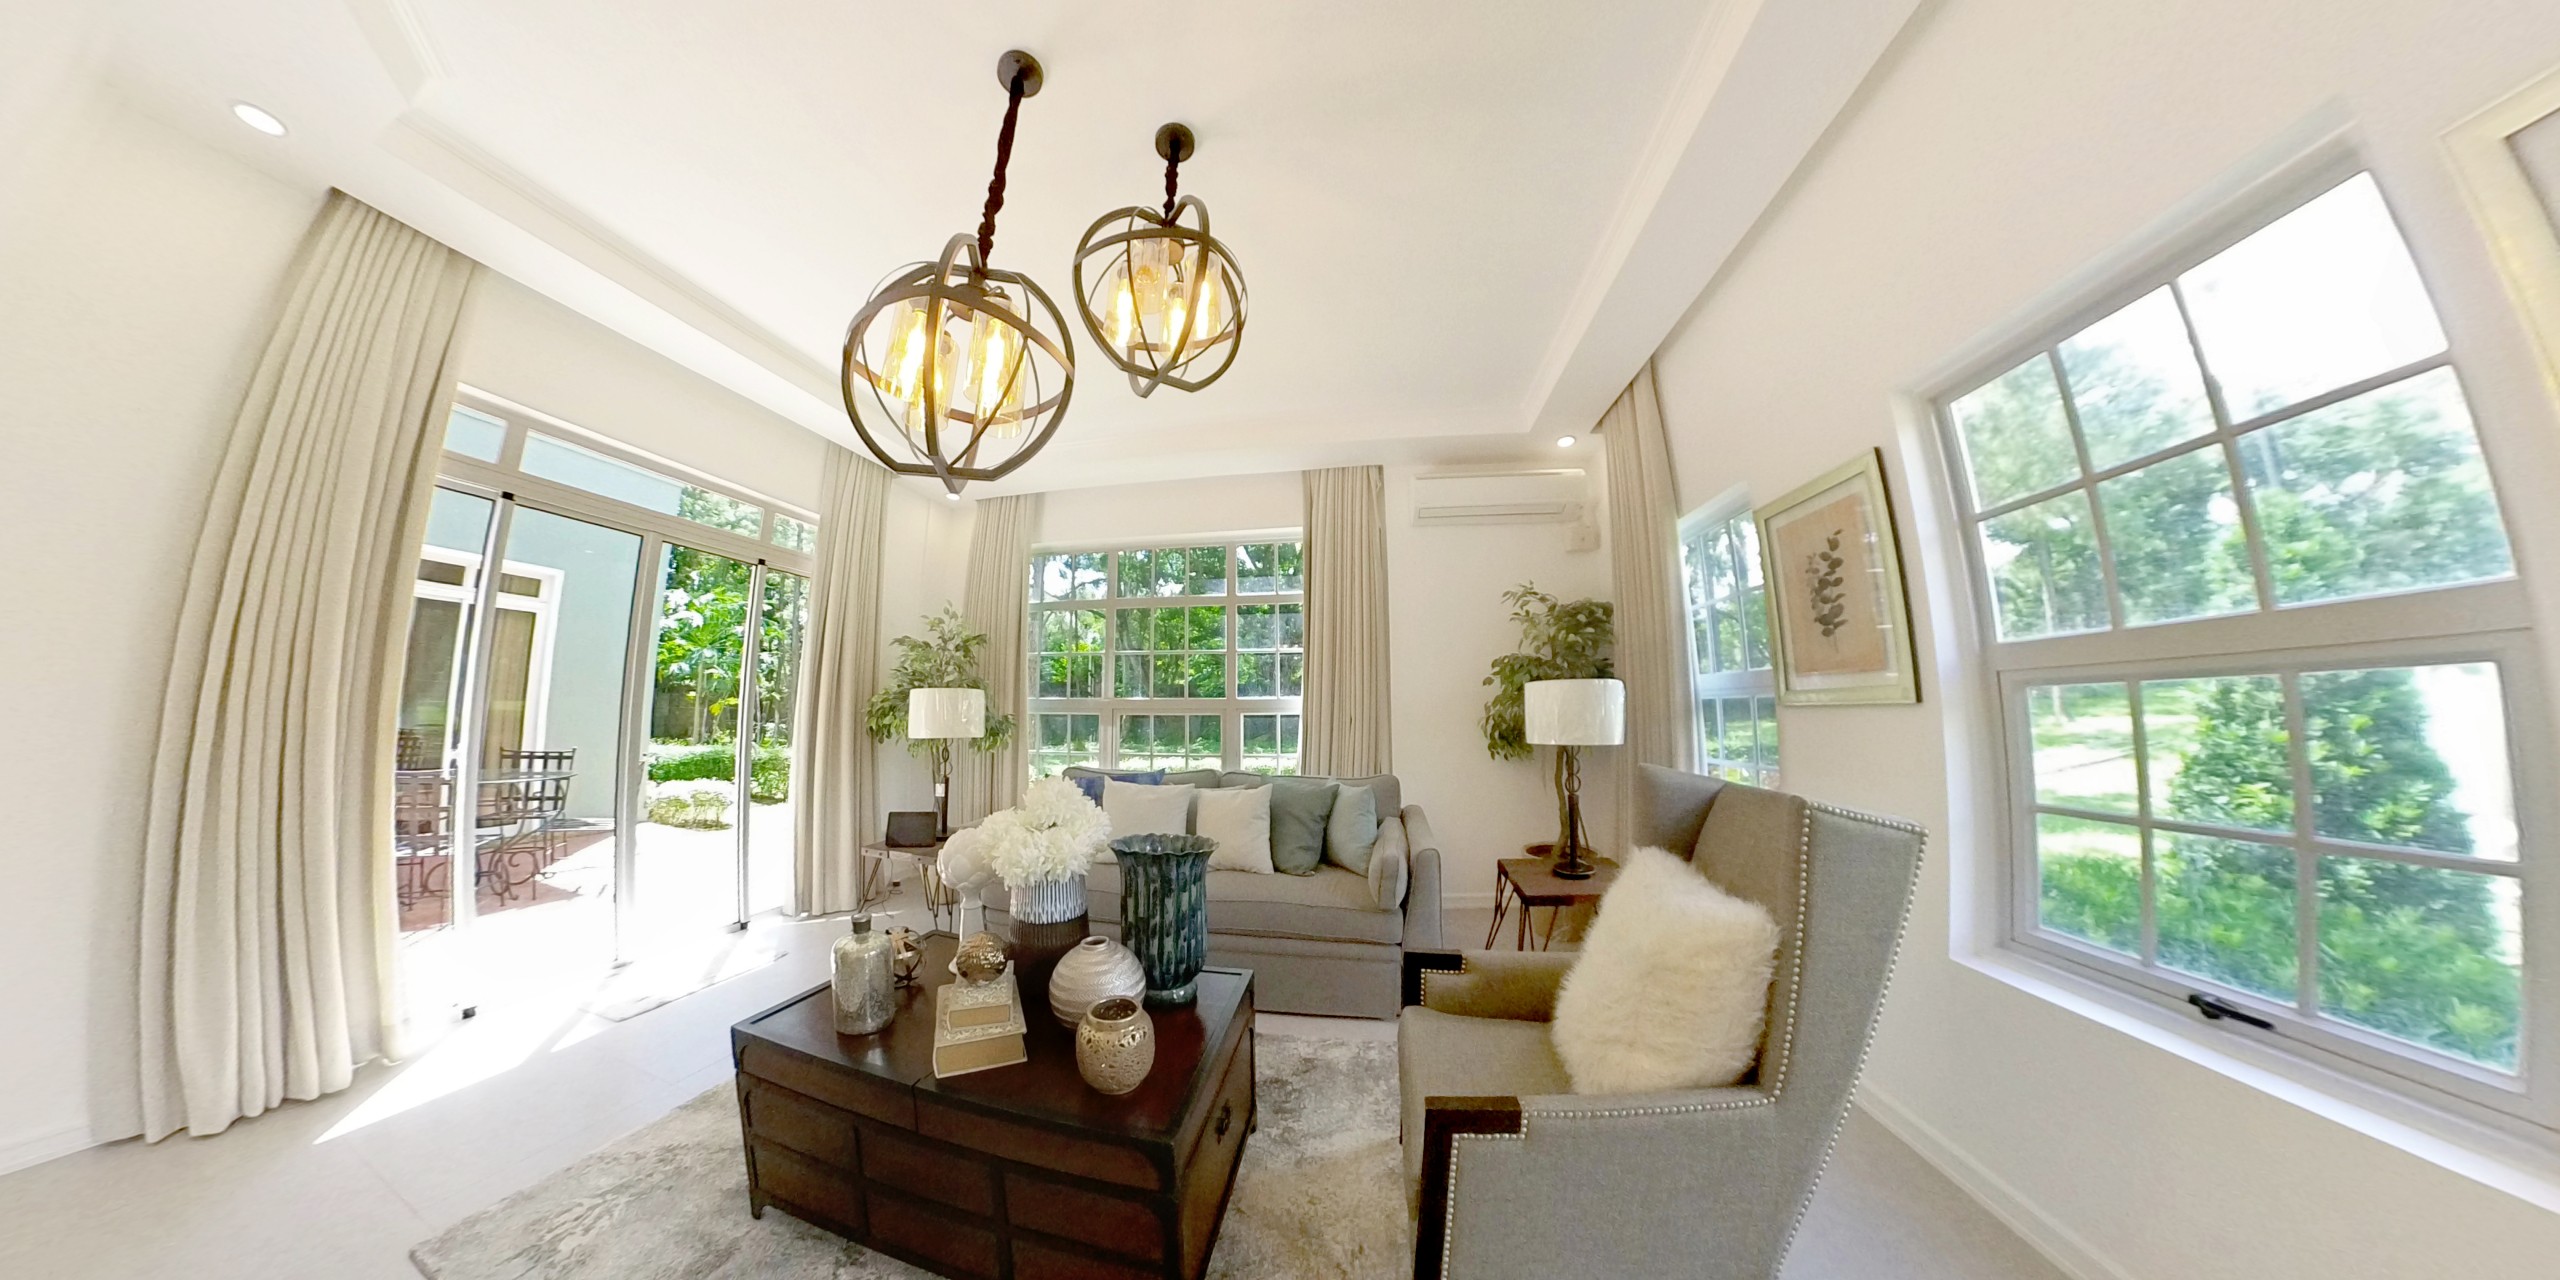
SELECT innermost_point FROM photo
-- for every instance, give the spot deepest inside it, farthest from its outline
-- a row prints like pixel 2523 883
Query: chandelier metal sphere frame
pixel 1163 298
pixel 956 359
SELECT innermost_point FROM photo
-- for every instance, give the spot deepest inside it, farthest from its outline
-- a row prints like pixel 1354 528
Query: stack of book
pixel 977 1027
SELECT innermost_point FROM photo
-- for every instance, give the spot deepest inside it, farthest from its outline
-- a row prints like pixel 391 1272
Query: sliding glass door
pixel 714 842
pixel 597 709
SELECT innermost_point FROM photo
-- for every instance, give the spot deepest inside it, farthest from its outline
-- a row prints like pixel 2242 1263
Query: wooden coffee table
pixel 1022 1171
pixel 1533 882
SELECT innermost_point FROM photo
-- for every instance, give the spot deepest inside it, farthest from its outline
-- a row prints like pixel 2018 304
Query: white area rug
pixel 1318 1195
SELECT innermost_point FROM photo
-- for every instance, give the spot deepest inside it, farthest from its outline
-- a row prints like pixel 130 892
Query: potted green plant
pixel 1559 640
pixel 945 657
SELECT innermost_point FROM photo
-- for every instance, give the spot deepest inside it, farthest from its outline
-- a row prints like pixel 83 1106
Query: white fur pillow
pixel 1672 986
pixel 1239 819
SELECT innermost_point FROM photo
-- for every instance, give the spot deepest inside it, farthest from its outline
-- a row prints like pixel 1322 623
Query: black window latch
pixel 2215 1009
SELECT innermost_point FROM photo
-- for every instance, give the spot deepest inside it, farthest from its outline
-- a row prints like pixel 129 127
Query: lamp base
pixel 1578 869
pixel 1570 864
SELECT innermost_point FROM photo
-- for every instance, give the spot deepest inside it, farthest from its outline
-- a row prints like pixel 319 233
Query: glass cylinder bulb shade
pixel 1165 299
pixel 957 371
pixel 946 713
pixel 1576 713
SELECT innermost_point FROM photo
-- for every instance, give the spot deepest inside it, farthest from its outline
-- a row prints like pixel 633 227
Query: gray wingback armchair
pixel 1695 1183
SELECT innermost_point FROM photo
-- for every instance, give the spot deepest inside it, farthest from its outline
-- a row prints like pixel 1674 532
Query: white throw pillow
pixel 1141 809
pixel 1239 819
pixel 1672 986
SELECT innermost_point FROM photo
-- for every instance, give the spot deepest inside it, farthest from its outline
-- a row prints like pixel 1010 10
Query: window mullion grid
pixel 2088 482
pixel 2242 498
pixel 2306 857
pixel 2143 809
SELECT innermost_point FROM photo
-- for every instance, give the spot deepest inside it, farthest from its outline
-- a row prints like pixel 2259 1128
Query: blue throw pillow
pixel 1091 783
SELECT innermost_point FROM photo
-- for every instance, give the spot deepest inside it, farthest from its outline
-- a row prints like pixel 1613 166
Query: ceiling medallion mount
pixel 1162 296
pixel 953 360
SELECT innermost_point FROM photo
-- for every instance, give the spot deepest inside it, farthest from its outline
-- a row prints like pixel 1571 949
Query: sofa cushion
pixel 1390 793
pixel 1332 905
pixel 1352 830
pixel 1137 809
pixel 1390 865
pixel 1239 819
pixel 1299 807
pixel 1443 1055
pixel 1090 781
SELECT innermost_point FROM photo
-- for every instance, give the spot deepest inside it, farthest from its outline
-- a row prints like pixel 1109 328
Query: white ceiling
pixel 1457 232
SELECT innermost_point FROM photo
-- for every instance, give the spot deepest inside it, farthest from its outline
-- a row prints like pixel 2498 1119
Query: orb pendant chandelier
pixel 951 370
pixel 1162 296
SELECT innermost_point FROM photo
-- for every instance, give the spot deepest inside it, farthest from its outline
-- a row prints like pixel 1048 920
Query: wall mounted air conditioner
pixel 1525 495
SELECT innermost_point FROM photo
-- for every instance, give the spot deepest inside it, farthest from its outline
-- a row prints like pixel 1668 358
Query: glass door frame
pixel 508 488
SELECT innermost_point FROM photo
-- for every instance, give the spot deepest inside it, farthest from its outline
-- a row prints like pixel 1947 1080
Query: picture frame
pixel 1839 617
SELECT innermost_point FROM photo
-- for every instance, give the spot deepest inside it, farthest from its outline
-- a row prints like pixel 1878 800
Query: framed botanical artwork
pixel 1837 613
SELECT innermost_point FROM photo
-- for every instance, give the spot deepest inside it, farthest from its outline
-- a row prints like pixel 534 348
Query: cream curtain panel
pixel 837 803
pixel 266 910
pixel 1345 732
pixel 996 599
pixel 1644 567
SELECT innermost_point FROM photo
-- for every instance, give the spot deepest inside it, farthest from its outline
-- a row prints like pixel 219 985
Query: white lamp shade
pixel 946 713
pixel 1576 713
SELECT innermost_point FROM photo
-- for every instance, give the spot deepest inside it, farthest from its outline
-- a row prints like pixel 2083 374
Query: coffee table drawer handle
pixel 1226 1116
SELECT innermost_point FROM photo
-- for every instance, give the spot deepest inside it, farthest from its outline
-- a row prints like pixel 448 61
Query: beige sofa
pixel 1328 943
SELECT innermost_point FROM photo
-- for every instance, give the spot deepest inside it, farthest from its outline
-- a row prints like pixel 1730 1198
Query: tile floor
pixel 339 1189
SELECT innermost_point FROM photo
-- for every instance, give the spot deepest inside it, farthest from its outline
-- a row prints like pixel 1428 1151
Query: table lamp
pixel 1570 715
pixel 937 717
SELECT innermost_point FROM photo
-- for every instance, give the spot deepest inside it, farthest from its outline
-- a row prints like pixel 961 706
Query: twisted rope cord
pixel 1004 156
pixel 1171 168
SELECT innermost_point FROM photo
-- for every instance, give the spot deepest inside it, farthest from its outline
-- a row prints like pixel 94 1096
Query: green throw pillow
pixel 1299 807
pixel 1352 831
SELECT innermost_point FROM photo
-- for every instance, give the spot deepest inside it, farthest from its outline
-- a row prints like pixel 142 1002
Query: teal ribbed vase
pixel 1164 911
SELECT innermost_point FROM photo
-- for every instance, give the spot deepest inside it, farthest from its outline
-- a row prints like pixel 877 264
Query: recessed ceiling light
pixel 258 118
pixel 1564 442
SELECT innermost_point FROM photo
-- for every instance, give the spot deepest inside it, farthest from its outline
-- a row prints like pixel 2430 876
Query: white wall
pixel 2005 147
pixel 139 275
pixel 1446 622
pixel 531 350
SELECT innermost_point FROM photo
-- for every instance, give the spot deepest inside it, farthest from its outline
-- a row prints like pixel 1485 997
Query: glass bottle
pixel 865 991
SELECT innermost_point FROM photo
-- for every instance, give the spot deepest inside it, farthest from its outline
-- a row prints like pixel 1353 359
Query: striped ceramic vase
pixel 1164 910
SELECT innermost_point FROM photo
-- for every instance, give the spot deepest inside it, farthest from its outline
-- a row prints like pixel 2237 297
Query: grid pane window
pixel 2339 498
pixel 1270 743
pixel 1069 661
pixel 1170 652
pixel 1058 741
pixel 2405 764
pixel 795 534
pixel 1172 742
pixel 1734 687
pixel 2315 820
pixel 1187 656
pixel 1271 650
pixel 1267 568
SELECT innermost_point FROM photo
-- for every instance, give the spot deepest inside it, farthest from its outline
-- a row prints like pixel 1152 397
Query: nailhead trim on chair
pixel 1795 975
pixel 1866 1045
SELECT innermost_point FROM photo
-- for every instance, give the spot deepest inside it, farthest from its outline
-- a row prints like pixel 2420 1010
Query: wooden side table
pixel 1532 883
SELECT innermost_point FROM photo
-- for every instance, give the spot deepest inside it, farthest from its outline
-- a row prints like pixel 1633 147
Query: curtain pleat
pixel 1644 568
pixel 996 599
pixel 1345 731
pixel 837 796
pixel 267 922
